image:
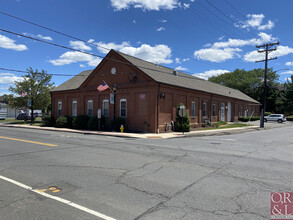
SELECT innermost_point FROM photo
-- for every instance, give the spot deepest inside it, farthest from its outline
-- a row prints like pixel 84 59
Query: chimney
pixel 175 72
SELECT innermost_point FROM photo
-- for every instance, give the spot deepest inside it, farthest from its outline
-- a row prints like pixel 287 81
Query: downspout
pixel 211 108
pixel 158 95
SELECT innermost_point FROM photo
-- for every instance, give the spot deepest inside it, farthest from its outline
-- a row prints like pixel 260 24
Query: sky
pixel 199 37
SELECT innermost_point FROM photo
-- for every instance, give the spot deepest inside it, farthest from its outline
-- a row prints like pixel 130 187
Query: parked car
pixel 280 118
pixel 25 116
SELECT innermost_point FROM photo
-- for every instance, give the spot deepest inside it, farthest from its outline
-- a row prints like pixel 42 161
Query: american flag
pixel 23 94
pixel 102 87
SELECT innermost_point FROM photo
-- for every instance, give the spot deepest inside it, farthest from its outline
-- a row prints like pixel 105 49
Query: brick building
pixel 147 95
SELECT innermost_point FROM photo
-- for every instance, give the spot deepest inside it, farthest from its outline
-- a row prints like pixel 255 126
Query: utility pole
pixel 267 50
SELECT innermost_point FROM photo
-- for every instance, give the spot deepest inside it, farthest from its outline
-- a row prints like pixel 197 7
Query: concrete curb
pixel 145 135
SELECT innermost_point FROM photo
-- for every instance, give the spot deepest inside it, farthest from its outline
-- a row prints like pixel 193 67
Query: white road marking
pixel 67 202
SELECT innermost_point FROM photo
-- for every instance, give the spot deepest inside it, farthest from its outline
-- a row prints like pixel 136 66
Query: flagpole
pixel 109 86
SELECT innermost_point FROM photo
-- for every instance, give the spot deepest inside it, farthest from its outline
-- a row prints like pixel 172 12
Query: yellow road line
pixel 33 142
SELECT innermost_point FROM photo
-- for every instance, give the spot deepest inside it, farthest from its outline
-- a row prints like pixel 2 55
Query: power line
pixel 235 9
pixel 223 13
pixel 229 24
pixel 55 31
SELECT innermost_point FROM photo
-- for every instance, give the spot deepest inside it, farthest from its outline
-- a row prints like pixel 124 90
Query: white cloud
pixel 177 60
pixel 183 5
pixel 145 4
pixel 288 79
pixel 264 38
pixel 134 21
pixel 222 51
pixel 38 36
pixel 186 59
pixel 180 68
pixel 114 46
pixel 8 43
pixel 287 72
pixel 79 45
pixel 82 65
pixel 216 54
pixel 161 29
pixel 281 51
pixel 74 57
pixel 207 74
pixel 255 21
pixel 9 78
pixel 157 54
pixel 289 64
pixel 163 21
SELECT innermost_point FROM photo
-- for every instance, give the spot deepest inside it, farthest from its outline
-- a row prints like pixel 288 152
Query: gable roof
pixel 163 75
pixel 73 83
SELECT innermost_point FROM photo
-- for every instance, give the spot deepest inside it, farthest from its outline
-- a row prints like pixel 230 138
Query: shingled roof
pixel 73 83
pixel 164 75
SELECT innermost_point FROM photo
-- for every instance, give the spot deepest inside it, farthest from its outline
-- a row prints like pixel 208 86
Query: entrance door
pixel 222 112
pixel 229 111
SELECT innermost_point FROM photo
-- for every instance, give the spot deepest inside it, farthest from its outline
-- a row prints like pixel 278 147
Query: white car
pixel 280 118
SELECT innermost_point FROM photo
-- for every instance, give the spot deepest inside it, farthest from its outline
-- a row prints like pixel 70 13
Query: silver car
pixel 280 118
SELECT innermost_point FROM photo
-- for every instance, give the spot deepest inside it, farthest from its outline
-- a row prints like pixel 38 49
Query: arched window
pixel 123 108
pixel 106 108
pixel 90 108
pixel 74 108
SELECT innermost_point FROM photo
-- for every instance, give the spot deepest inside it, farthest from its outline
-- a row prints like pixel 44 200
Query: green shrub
pixel 268 113
pixel 93 123
pixel 246 119
pixel 289 118
pixel 182 124
pixel 80 122
pixel 48 121
pixel 116 124
pixel 69 121
pixel 61 122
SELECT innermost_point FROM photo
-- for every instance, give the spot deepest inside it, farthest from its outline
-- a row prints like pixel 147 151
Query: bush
pixel 289 118
pixel 93 123
pixel 246 119
pixel 80 122
pixel 69 121
pixel 61 122
pixel 182 124
pixel 116 124
pixel 48 121
pixel 268 113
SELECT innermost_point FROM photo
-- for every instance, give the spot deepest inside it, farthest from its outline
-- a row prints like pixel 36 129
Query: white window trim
pixel 74 102
pixel 193 110
pixel 88 103
pixel 204 110
pixel 123 100
pixel 104 101
pixel 214 110
pixel 59 104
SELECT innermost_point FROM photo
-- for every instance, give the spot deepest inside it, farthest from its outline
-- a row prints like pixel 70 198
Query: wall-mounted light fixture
pixel 162 95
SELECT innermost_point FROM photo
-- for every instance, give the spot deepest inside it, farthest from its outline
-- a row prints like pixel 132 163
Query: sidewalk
pixel 144 135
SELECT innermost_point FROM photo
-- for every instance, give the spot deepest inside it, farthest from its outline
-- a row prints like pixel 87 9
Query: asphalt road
pixel 86 176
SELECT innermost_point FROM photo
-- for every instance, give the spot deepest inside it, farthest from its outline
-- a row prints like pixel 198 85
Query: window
pixel 241 111
pixel 59 108
pixel 106 108
pixel 214 110
pixel 74 108
pixel 123 108
pixel 192 109
pixel 90 108
pixel 204 110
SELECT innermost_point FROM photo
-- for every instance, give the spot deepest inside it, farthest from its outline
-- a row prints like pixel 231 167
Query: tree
pixel 37 86
pixel 285 99
pixel 251 83
pixel 5 98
